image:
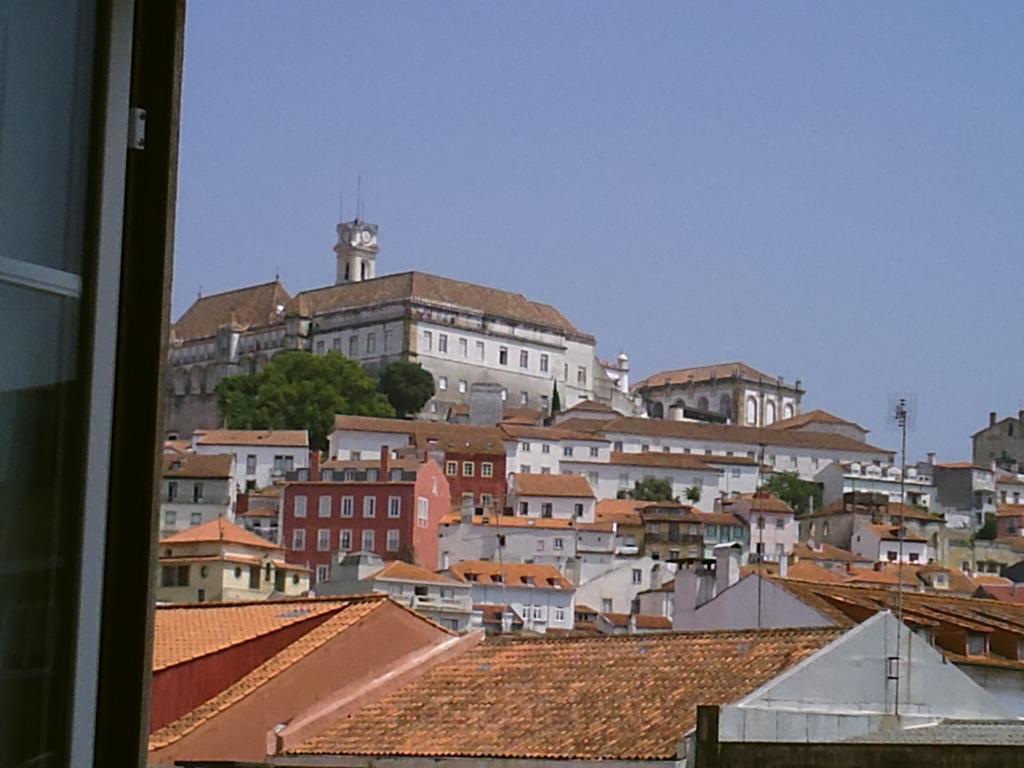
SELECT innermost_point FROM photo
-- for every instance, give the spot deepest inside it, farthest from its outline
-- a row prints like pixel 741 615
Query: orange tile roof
pixel 1009 510
pixel 396 570
pixel 177 446
pixel 215 466
pixel 1009 480
pixel 562 486
pixel 530 431
pixel 825 551
pixel 726 433
pixel 540 576
pixel 242 308
pixel 816 416
pixel 533 699
pixel 621 511
pixel 511 521
pixel 186 632
pixel 892 533
pixel 218 530
pixel 429 435
pixel 433 290
pixel 664 460
pixel 643 621
pixel 893 508
pixel 990 580
pixel 702 373
pixel 801 570
pixel 959 582
pixel 589 406
pixel 761 502
pixel 279 438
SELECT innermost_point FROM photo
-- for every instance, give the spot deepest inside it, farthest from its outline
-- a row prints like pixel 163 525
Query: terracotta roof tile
pixel 511 521
pixel 701 373
pixel 564 486
pixel 428 435
pixel 540 576
pixel 214 466
pixel 824 551
pixel 893 508
pixel 589 406
pixel 282 438
pixel 892 533
pixel 186 632
pixel 244 308
pixel 621 511
pixel 218 530
pixel 663 460
pixel 530 698
pixel 814 417
pixel 441 292
pixel 397 570
pixel 761 502
pixel 533 432
pixel 643 621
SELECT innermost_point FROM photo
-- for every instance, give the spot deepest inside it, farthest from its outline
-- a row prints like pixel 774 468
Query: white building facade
pixel 261 456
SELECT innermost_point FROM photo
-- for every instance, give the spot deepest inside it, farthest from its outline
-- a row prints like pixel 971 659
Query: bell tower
pixel 356 251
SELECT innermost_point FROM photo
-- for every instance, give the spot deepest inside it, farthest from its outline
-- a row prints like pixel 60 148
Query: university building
pixel 461 332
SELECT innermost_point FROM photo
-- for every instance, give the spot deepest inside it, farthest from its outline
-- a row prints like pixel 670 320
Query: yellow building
pixel 220 561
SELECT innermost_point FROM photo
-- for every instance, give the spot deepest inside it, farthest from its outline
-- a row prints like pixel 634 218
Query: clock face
pixel 366 237
pixel 346 235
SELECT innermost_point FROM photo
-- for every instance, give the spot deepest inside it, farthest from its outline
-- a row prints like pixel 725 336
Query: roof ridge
pixel 365 597
pixel 675 633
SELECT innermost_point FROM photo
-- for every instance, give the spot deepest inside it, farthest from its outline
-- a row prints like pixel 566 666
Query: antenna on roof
pixel 277 273
pixel 359 197
pixel 341 207
pixel 200 291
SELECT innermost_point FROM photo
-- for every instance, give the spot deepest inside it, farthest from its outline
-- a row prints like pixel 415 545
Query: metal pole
pixel 901 419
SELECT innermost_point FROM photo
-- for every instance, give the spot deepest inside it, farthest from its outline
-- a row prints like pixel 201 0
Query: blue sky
pixel 828 191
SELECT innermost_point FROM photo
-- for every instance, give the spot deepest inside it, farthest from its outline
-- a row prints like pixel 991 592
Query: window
pixel 345 540
pixel 891 555
pixel 578 510
pixel 780 522
pixel 299 539
pixel 387 340
pixel 486 469
pixel 324 509
pixel 593 478
pixel 467 469
pixel 545 448
pixel 673 554
pixel 502 355
pixel 594 451
pixel 544 403
pixel 645 449
pixel 524 469
pixel 914 557
pixel 558 543
pixel 442 382
pixel 353 345
pixel 320 347
pixel 442 343
pixel 543 363
pixel 545 470
pixel 322 573
pixel 336 344
pixel 524 447
pixel 524 359
pixel 323 540
pixel 504 395
pixel 174 576
pixel 300 506
pixel 367 540
pixel 463 348
pixel 451 468
pixel 638 576
pixel 369 506
pixel 463 386
pixel 172 490
pixel 581 376
pixel 524 398
pixel 371 343
pixel 394 506
pixel 560 615
pixel 170 517
pixel 760 522
pixel 546 509
pixel 712 531
pixel 606 604
pixel 348 504
pixel 524 507
pixel 284 464
pixel 250 464
pixel 422 511
pixel 567 450
pixel 480 351
pixel 486 500
pixel 197 518
pixel 977 644
pixel 735 473
pixel 394 539
pixel 540 545
pixel 538 613
pixel 428 341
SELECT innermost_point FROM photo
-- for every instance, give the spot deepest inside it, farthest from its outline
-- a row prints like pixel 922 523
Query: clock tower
pixel 356 251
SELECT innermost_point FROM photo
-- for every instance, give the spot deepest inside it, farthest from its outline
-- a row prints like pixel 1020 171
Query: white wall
pixel 343 443
pixel 264 474
pixel 619 587
pixel 562 507
pixel 523 601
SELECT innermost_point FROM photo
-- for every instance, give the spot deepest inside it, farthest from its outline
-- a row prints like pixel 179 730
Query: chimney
pixel 931 458
pixel 314 464
pixel 690 591
pixel 784 567
pixel 992 418
pixel 466 512
pixel 632 624
pixel 727 567
pixel 385 463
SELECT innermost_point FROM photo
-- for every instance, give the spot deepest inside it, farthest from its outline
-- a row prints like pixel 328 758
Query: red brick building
pixel 390 507
pixel 473 457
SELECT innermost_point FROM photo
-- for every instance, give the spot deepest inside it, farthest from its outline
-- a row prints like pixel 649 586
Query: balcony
pixel 433 603
pixel 627 549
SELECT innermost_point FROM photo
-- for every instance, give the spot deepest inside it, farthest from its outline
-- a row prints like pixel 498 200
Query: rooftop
pixel 242 308
pixel 535 575
pixel 560 486
pixel 279 438
pixel 702 373
pixel 218 530
pixel 214 466
pixel 532 698
pixel 816 416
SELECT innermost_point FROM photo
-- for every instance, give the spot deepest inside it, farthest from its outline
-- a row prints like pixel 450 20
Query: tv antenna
pixel 902 410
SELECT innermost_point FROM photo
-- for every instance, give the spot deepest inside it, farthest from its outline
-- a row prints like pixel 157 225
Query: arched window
pixel 725 405
pixel 787 411
pixel 752 411
pixel 769 412
pixel 702 403
pixel 657 411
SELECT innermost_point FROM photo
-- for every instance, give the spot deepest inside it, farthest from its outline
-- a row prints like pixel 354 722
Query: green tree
pixel 987 532
pixel 652 489
pixel 556 401
pixel 796 492
pixel 297 390
pixel 693 494
pixel 407 386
